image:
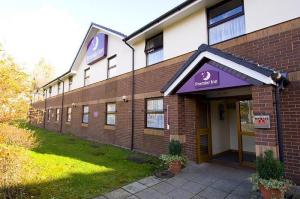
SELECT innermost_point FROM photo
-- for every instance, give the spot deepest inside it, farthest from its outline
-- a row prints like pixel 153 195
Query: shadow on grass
pixel 69 167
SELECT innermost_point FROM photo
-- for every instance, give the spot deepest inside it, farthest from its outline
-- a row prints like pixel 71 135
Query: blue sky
pixel 54 29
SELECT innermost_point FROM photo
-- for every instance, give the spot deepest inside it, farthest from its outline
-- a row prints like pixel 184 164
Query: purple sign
pixel 97 48
pixel 209 77
pixel 206 79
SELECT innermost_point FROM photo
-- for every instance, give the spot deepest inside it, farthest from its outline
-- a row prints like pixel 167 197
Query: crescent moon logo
pixel 96 43
pixel 207 77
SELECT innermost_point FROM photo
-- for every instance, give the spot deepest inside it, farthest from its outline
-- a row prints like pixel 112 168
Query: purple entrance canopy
pixel 209 77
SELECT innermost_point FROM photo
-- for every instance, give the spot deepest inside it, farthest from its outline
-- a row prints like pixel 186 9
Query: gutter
pixel 62 105
pixel 132 97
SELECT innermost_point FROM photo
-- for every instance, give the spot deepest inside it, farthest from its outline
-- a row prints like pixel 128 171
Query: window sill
pixel 68 123
pixel 109 127
pixel 157 132
pixel 84 125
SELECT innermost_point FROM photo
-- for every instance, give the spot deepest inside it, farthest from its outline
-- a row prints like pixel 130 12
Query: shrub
pixel 268 167
pixel 13 141
pixel 11 135
pixel 175 147
pixel 167 159
pixel 270 173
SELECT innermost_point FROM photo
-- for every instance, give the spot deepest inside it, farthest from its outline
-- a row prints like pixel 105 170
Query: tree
pixel 42 73
pixel 14 88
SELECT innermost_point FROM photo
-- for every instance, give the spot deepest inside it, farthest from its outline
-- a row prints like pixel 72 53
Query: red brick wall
pixel 281 51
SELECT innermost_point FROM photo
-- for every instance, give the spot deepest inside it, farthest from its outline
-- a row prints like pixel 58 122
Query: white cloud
pixel 45 32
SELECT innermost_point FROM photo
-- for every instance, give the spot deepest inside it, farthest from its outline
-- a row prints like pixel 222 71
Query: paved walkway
pixel 204 181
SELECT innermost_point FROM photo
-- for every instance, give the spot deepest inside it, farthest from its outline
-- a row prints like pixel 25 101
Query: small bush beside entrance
pixel 269 178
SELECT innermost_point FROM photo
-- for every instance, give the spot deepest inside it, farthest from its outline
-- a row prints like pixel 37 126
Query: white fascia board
pixel 164 20
pixel 240 68
pixel 109 32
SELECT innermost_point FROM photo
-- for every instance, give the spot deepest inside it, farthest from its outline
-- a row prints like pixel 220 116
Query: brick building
pixel 222 77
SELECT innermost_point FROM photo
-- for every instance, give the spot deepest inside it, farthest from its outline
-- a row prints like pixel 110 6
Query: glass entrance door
pixel 246 135
pixel 203 131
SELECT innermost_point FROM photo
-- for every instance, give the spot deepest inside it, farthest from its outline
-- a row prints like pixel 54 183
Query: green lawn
pixel 64 166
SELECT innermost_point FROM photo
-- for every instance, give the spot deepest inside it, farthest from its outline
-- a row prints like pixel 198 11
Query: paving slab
pixel 117 194
pixel 150 193
pixel 164 187
pixel 193 187
pixel 225 185
pixel 134 187
pixel 180 194
pixel 212 193
pixel 177 181
pixel 150 181
pixel 132 197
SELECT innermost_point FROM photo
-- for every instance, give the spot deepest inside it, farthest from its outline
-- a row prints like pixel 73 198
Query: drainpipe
pixel 278 89
pixel 132 97
pixel 62 105
pixel 45 91
pixel 281 82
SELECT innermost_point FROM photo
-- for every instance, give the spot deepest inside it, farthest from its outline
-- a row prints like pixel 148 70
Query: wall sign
pixel 262 121
pixel 206 79
pixel 97 48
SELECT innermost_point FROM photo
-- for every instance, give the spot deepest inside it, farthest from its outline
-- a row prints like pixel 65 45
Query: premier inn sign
pixel 206 79
pixel 97 48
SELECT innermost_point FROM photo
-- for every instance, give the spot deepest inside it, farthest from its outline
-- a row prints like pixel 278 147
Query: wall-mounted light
pixel 125 98
pixel 74 105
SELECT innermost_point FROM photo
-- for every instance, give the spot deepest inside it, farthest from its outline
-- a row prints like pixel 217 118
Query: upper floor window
pixel 154 49
pixel 111 113
pixel 70 83
pixel 155 113
pixel 50 90
pixel 86 76
pixel 112 66
pixel 85 114
pixel 58 88
pixel 225 21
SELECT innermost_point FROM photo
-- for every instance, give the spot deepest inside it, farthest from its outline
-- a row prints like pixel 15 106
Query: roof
pixel 241 61
pixel 160 18
pixel 86 35
pixel 109 29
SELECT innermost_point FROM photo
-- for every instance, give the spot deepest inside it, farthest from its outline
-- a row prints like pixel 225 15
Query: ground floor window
pixel 69 114
pixel 155 113
pixel 57 114
pixel 48 114
pixel 85 114
pixel 111 113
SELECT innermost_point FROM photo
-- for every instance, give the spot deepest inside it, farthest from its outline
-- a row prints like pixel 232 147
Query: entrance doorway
pixel 225 131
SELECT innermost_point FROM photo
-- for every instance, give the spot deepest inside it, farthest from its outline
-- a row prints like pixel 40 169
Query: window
pixel 111 113
pixel 154 49
pixel 85 114
pixel 226 21
pixel 58 88
pixel 57 114
pixel 49 114
pixel 86 76
pixel 246 115
pixel 69 114
pixel 155 113
pixel 70 83
pixel 112 66
pixel 50 90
